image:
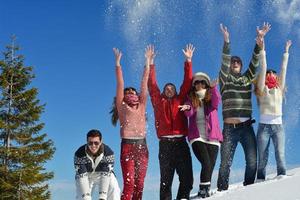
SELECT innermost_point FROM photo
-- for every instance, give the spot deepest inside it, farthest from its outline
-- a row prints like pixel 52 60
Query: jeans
pixel 175 156
pixel 265 133
pixel 246 136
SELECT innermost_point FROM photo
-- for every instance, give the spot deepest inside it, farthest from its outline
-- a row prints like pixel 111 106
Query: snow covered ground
pixel 274 188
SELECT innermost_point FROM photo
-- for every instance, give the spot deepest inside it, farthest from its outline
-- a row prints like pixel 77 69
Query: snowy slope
pixel 274 188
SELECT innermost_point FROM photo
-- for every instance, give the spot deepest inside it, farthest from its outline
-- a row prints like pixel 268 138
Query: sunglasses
pixel 203 82
pixel 237 61
pixel 91 143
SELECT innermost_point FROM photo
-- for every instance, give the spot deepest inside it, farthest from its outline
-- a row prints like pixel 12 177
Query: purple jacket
pixel 213 129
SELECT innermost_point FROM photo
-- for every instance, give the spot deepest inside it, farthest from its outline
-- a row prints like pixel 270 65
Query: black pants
pixel 175 155
pixel 207 155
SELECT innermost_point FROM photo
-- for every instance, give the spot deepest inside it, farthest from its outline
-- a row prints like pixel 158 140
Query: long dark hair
pixel 195 99
pixel 114 111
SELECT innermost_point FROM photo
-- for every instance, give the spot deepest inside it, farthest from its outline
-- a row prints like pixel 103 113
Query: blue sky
pixel 70 43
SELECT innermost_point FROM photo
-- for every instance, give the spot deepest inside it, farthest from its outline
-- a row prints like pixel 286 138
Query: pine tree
pixel 23 150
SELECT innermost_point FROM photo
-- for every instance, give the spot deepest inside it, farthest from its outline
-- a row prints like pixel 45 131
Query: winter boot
pixel 204 191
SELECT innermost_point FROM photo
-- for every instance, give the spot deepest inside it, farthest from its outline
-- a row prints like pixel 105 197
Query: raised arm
pixel 188 72
pixel 254 63
pixel 263 62
pixel 284 64
pixel 188 52
pixel 264 30
pixel 152 84
pixel 215 95
pixel 225 66
pixel 149 58
pixel 119 77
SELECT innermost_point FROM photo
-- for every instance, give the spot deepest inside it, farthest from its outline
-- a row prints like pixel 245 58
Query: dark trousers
pixel 245 135
pixel 207 155
pixel 175 156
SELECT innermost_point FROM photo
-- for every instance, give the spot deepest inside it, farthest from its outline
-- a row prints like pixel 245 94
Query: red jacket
pixel 168 119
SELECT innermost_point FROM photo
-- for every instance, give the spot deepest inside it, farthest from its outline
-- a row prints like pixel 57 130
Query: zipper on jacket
pixel 170 108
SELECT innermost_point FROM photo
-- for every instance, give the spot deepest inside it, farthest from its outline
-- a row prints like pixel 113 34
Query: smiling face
pixel 94 144
pixel 170 91
pixel 235 67
pixel 235 64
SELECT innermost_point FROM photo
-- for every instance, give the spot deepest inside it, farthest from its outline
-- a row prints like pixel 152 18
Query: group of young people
pixel 192 113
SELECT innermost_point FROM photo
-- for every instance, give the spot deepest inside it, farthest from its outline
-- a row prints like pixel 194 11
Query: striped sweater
pixel 236 89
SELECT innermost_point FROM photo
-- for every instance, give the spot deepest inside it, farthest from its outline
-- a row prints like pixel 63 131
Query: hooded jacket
pixel 169 120
pixel 212 124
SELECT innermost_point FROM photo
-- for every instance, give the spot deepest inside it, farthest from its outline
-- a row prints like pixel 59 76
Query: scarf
pixel 201 93
pixel 131 99
pixel 271 81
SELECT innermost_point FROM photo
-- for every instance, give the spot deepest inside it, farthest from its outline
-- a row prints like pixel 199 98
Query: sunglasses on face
pixel 200 82
pixel 91 143
pixel 237 61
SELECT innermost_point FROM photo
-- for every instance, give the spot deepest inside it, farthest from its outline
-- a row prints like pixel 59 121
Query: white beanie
pixel 201 76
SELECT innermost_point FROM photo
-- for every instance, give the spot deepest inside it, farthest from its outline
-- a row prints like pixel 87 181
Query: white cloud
pixel 288 12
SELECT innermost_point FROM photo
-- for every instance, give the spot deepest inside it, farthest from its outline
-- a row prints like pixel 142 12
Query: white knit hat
pixel 201 76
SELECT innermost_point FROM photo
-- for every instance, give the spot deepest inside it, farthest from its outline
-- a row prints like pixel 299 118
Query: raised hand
pixel 118 55
pixel 184 107
pixel 288 45
pixel 265 29
pixel 260 42
pixel 225 33
pixel 188 52
pixel 214 82
pixel 149 54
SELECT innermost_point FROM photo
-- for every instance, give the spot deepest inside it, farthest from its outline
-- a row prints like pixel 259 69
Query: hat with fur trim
pixel 199 76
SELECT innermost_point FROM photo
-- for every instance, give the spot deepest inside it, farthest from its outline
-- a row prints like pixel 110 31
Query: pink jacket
pixel 213 129
pixel 132 120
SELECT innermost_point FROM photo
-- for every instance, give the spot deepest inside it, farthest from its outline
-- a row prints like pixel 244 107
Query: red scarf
pixel 131 99
pixel 271 81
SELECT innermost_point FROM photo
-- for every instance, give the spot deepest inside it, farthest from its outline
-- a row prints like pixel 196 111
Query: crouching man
pixel 94 163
